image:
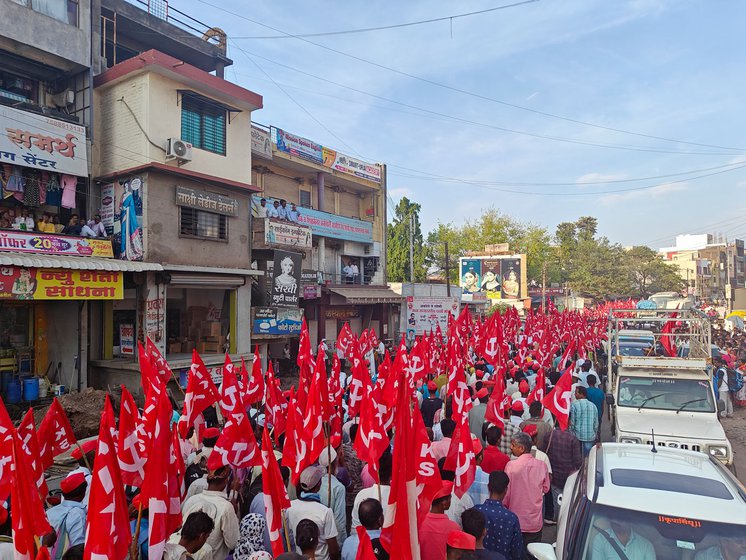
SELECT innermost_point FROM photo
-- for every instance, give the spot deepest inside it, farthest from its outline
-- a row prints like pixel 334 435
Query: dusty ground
pixel 83 410
pixel 735 429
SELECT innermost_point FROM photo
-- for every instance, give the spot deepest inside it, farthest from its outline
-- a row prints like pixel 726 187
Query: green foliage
pixel 397 246
pixel 649 273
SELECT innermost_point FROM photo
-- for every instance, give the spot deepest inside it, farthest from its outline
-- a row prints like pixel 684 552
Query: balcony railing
pixel 163 10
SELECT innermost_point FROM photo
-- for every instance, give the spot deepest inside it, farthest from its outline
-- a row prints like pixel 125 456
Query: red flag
pixel 201 393
pixel 275 494
pixel 540 388
pixel 231 398
pixel 294 445
pixel 371 440
pixel 107 526
pixel 365 548
pixel 461 459
pixel 161 490
pixel 179 462
pixel 236 445
pixel 428 474
pixel 345 339
pixel 6 452
pixel 158 362
pixel 498 401
pixel 148 372
pixel 462 402
pixel 254 385
pixel 360 382
pixel 312 439
pixel 130 450
pixel 43 554
pixel 28 518
pixel 400 525
pixel 667 340
pixel 27 432
pixel 275 404
pixel 55 434
pixel 559 399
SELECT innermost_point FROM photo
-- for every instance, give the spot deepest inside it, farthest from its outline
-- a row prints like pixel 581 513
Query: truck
pixel 657 395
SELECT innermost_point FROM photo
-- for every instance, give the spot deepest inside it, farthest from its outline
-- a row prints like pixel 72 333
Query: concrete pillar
pixel 322 256
pixel 320 189
pixel 243 322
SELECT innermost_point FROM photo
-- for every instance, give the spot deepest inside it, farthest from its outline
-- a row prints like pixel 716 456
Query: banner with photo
pixel 351 166
pixel 270 320
pixel 298 146
pixel 492 278
pixel 425 314
pixel 471 276
pixel 510 270
pixel 286 279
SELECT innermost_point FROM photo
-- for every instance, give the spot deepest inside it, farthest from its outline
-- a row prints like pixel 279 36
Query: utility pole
pixel 448 272
pixel 543 286
pixel 411 249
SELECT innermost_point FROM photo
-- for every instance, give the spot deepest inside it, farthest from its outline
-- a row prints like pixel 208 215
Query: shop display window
pixel 197 318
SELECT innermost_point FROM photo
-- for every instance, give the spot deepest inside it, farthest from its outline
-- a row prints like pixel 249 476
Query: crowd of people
pixel 77 225
pixel 278 210
pixel 730 368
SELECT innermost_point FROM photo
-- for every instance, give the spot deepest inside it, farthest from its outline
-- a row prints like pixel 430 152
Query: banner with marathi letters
pixel 21 283
pixel 40 142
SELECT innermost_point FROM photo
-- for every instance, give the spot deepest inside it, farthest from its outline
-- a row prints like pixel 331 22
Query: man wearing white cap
pixel 338 503
pixel 309 506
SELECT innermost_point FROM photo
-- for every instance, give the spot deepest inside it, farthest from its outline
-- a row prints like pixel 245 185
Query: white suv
pixel 635 503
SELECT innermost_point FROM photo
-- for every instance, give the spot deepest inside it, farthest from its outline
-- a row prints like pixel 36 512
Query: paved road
pixel 735 429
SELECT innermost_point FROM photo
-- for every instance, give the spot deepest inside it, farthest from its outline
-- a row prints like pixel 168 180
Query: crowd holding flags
pixel 143 449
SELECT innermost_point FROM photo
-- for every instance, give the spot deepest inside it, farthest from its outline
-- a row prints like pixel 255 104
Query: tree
pixel 648 273
pixel 397 252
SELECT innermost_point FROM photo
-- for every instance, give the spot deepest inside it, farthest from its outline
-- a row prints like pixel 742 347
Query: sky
pixel 514 108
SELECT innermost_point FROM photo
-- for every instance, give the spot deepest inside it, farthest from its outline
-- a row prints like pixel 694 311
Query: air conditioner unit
pixel 178 149
pixel 63 98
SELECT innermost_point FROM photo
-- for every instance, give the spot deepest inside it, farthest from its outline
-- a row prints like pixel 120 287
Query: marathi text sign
pixel 351 166
pixel 286 279
pixel 40 142
pixel 286 233
pixel 53 283
pixel 325 224
pixel 425 314
pixel 271 320
pixel 51 244
pixel 202 200
pixel 298 146
pixel 261 144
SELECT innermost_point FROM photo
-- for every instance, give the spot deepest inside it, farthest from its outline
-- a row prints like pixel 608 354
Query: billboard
pixel 286 279
pixel 493 277
pixel 271 320
pixel 425 314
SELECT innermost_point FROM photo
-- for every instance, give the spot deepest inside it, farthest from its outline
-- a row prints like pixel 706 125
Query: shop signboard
pixel 127 339
pixel 342 312
pixel 351 166
pixel 43 143
pixel 19 283
pixel 311 277
pixel 286 233
pixel 311 291
pixel 298 146
pixel 107 207
pixel 203 200
pixel 154 320
pixel 425 314
pixel 286 279
pixel 272 320
pixel 261 144
pixel 325 224
pixel 53 244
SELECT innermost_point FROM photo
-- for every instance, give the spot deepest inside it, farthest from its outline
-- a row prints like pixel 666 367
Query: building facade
pixel 330 211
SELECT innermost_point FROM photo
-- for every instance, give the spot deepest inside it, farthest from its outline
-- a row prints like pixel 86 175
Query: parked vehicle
pixel 635 502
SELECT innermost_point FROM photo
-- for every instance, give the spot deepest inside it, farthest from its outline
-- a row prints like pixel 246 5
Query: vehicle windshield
pixel 635 349
pixel 648 536
pixel 694 395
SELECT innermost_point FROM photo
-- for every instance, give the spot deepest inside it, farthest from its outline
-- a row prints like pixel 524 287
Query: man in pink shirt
pixel 439 448
pixel 529 481
pixel 436 526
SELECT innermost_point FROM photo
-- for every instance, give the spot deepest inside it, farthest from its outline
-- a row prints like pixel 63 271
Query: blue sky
pixel 667 68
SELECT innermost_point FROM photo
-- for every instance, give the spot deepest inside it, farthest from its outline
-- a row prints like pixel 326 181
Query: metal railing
pixel 163 10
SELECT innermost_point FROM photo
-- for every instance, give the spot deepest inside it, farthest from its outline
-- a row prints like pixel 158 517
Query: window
pixel 205 225
pixel 203 124
pixel 63 10
pixel 305 199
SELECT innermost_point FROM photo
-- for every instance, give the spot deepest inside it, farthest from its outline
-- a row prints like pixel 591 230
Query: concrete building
pixel 341 225
pixel 711 266
pixel 48 289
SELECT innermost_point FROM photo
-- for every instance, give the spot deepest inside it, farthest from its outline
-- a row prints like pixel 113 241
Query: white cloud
pixel 594 178
pixel 656 192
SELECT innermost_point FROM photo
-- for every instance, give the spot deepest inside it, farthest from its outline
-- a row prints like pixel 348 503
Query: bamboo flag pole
pixel 85 457
pixel 329 456
pixel 285 529
pixel 135 551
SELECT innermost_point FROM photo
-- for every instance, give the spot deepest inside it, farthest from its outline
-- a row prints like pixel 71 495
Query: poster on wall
pixel 127 238
pixel 286 279
pixel 471 275
pixel 298 146
pixel 492 278
pixel 425 314
pixel 107 207
pixel 270 320
pixel 127 339
pixel 511 278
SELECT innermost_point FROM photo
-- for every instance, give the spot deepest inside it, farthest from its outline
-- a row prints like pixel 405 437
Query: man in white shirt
pixel 214 502
pixel 384 475
pixel 355 272
pixel 192 537
pixel 97 226
pixel 261 211
pixel 309 506
pixel 283 209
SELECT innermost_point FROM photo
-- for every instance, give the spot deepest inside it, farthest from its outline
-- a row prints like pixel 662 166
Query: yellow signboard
pixel 59 284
